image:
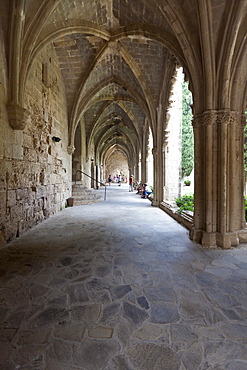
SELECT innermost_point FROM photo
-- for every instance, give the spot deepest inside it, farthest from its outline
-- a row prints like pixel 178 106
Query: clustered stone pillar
pixel 219 204
pixel 158 176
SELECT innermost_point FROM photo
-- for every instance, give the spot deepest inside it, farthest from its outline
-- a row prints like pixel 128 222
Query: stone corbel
pixel 18 116
pixel 70 149
pixel 155 152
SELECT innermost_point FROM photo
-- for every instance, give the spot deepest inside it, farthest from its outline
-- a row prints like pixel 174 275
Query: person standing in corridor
pixel 131 183
pixel 109 180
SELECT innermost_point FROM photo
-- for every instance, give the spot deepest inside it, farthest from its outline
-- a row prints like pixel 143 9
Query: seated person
pixel 146 191
pixel 139 188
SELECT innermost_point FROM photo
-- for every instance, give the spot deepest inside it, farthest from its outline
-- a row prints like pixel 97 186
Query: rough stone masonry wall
pixel 35 171
pixel 116 163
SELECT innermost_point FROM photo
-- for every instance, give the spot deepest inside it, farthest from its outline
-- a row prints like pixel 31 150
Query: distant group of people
pixel 142 188
pixel 117 178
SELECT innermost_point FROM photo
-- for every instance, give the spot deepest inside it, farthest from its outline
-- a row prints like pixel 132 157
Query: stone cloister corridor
pixel 84 80
pixel 95 86
pixel 119 285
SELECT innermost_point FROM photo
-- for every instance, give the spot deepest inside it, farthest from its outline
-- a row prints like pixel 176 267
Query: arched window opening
pixel 187 141
pixel 150 163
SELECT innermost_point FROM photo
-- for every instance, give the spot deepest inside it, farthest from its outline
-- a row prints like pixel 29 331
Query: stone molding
pixel 155 152
pixel 70 149
pixel 17 116
pixel 219 117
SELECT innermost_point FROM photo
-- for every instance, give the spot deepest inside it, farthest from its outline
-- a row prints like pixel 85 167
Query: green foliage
pixel 187 132
pixel 185 203
pixel 187 182
pixel 245 199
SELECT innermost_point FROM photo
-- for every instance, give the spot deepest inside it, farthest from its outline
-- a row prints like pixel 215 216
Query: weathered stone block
pixel 72 333
pixel 120 291
pixel 86 313
pixel 148 332
pixel 22 194
pixel 77 293
pixel 17 151
pixel 30 337
pixel 94 354
pixel 27 141
pixel 100 332
pixel 164 313
pixel 41 191
pixel 151 356
pixel 48 316
pixel 134 313
pixel 3 201
pixel 11 198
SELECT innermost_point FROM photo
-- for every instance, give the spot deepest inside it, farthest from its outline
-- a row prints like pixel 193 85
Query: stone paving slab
pixel 118 285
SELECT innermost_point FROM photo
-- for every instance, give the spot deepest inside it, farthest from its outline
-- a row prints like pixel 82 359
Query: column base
pixel 242 235
pixel 209 240
pixel 213 240
pixel 196 235
pixel 155 203
pixel 228 240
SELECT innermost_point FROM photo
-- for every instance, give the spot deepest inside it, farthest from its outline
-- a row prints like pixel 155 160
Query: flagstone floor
pixel 119 285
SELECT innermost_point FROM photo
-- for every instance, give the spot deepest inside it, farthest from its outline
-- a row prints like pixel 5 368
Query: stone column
pixel 136 172
pixel 219 203
pixel 158 176
pixel 143 163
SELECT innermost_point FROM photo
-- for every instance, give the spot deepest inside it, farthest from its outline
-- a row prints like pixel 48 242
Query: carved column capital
pixel 197 121
pixel 207 118
pixel 219 117
pixel 243 120
pixel 70 149
pixel 18 116
pixel 228 117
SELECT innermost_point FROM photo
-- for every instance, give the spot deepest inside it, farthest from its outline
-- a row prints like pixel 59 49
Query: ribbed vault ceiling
pixel 117 58
pixel 113 73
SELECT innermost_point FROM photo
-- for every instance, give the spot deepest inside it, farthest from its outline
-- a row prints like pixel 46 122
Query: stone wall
pixel 116 163
pixel 35 170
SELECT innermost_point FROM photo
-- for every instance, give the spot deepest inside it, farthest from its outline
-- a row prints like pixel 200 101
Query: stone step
pixel 83 195
pixel 86 201
pixel 76 187
pixel 81 191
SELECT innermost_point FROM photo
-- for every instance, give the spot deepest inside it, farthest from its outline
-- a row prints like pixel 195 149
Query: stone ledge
pixel 183 218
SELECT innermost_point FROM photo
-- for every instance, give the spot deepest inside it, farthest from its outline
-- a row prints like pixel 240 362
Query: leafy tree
pixel 187 132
